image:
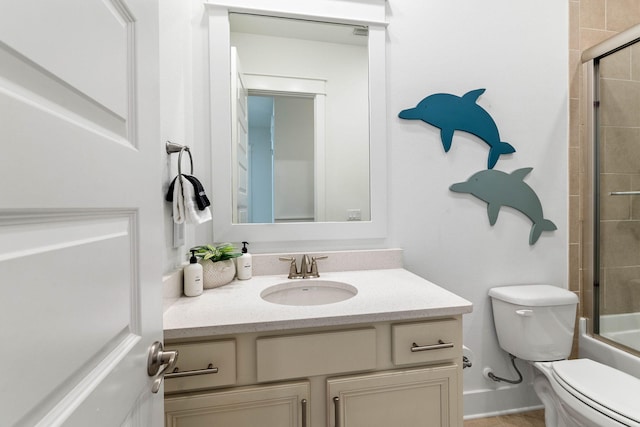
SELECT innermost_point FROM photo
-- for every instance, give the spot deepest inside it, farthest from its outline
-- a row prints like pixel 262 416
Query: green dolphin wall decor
pixel 502 189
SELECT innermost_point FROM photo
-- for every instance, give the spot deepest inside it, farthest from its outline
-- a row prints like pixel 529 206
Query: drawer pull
pixel 441 344
pixel 304 412
pixel 176 374
pixel 336 408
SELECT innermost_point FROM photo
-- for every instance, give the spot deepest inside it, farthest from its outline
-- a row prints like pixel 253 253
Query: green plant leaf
pixel 220 252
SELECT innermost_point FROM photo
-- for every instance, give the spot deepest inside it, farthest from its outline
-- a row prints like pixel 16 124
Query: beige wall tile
pixel 621 290
pixel 592 14
pixel 575 69
pixel 574 221
pixel 586 265
pixel 635 61
pixel 620 243
pixel 621 150
pixel 589 37
pixel 617 65
pixel 574 25
pixel 574 120
pixel 622 14
pixel 574 165
pixel 635 200
pixel 619 103
pixel 574 267
pixel 586 296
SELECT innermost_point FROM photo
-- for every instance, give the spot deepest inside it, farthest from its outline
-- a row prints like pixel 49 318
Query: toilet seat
pixel 605 389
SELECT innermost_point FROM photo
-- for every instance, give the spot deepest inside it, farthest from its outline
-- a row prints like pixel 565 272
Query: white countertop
pixel 383 295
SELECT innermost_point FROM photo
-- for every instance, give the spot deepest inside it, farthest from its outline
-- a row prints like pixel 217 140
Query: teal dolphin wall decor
pixel 502 189
pixel 450 113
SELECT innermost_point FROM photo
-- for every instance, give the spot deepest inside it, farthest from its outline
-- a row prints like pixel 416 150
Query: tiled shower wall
pixel 591 21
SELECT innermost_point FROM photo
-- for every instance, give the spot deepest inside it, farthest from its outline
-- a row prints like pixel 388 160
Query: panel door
pixel 406 398
pixel 80 212
pixel 280 405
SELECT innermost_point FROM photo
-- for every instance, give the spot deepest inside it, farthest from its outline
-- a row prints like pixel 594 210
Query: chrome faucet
pixel 294 273
pixel 305 266
pixel 308 268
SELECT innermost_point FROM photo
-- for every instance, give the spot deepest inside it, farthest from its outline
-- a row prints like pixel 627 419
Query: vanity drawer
pixel 306 355
pixel 202 365
pixel 431 341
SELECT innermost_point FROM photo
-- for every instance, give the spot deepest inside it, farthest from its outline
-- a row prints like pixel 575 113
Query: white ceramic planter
pixel 218 273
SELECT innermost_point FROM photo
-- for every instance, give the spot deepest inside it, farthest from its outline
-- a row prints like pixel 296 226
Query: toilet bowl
pixel 535 323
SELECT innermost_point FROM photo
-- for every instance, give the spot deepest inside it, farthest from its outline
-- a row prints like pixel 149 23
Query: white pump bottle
pixel 244 263
pixel 192 276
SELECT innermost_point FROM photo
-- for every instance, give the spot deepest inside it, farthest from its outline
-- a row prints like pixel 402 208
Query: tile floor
pixel 524 419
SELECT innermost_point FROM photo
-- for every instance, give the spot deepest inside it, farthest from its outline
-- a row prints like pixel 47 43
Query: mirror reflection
pixel 300 121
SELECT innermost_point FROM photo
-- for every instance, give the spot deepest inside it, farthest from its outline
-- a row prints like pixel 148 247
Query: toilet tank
pixel 534 322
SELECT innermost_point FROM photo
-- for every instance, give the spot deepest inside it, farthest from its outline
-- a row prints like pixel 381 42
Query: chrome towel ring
pixel 172 147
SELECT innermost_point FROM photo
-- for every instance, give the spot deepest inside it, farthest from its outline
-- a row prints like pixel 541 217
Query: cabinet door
pixel 281 405
pixel 406 398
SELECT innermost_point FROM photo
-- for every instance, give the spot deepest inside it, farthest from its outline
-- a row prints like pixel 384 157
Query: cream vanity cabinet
pixel 377 375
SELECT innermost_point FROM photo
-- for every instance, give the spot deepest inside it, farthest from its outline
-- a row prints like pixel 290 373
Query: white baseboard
pixel 500 401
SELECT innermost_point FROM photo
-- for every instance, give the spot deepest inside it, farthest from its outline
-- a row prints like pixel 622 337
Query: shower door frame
pixel 591 192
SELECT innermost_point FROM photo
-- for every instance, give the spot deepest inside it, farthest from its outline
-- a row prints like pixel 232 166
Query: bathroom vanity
pixel 389 355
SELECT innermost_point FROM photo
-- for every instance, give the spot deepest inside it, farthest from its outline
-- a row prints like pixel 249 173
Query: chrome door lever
pixel 156 360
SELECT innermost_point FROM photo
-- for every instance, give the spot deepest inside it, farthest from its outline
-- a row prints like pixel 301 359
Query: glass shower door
pixel 617 184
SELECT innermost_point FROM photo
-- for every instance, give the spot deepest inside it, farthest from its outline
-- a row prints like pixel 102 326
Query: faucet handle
pixel 314 265
pixel 293 269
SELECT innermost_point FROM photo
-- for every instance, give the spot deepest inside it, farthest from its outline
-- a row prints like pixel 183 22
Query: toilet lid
pixel 600 385
pixel 534 295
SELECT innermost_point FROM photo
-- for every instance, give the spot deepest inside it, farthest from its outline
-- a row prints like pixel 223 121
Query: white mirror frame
pixel 370 13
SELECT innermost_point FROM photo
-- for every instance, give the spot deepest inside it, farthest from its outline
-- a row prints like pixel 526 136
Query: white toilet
pixel 535 323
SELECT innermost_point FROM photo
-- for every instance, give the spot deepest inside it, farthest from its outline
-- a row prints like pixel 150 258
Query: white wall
pixel 293 185
pixel 518 52
pixel 175 112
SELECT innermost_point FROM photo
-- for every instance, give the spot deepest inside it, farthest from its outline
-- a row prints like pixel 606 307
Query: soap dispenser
pixel 193 277
pixel 244 265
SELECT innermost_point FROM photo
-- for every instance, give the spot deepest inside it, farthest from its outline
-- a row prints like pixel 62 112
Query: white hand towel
pixel 178 203
pixel 185 208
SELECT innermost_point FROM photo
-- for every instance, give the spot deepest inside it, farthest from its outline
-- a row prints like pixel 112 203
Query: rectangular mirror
pixel 301 141
pixel 316 76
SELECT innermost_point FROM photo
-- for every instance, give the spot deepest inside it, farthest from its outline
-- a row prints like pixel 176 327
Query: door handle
pixel 159 363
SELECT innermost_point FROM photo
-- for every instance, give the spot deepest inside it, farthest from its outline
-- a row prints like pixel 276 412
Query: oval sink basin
pixel 308 292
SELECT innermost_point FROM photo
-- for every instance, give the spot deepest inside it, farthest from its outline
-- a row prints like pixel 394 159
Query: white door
pixel 80 212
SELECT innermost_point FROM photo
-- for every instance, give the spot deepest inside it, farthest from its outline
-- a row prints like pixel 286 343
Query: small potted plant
pixel 217 263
